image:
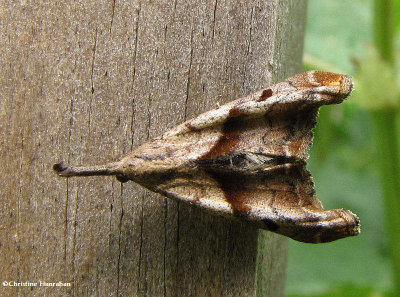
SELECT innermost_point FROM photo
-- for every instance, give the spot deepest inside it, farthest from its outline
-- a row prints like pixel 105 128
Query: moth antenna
pixel 107 169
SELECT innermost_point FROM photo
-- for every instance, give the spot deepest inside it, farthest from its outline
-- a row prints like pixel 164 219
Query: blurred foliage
pixel 350 290
pixel 343 160
pixel 375 78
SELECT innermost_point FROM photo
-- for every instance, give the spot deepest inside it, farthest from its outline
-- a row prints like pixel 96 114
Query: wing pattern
pixel 246 159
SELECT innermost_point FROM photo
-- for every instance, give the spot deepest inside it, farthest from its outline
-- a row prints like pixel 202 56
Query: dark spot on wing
pixel 235 192
pixel 231 162
pixel 236 200
pixel 230 135
pixel 239 160
pixel 235 112
pixel 271 225
pixel 218 162
pixel 122 178
pixel 190 126
pixel 265 95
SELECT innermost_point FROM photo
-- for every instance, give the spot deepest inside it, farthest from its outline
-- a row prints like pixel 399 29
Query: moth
pixel 245 159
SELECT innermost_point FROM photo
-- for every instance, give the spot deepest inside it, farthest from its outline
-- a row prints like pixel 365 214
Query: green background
pixel 343 164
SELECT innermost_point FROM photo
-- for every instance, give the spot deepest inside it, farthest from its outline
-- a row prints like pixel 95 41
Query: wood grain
pixel 86 82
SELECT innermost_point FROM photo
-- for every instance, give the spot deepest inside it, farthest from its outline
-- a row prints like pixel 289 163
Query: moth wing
pixel 246 159
pixel 280 199
pixel 275 121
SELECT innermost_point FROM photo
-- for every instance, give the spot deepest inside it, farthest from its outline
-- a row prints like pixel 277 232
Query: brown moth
pixel 246 159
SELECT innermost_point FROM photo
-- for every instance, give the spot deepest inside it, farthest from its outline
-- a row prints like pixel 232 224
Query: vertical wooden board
pixel 32 246
pixel 85 82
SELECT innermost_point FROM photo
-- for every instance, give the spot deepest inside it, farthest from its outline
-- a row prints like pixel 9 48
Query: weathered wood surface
pixel 85 82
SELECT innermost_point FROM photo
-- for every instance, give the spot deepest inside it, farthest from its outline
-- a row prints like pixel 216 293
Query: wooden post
pixel 86 81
